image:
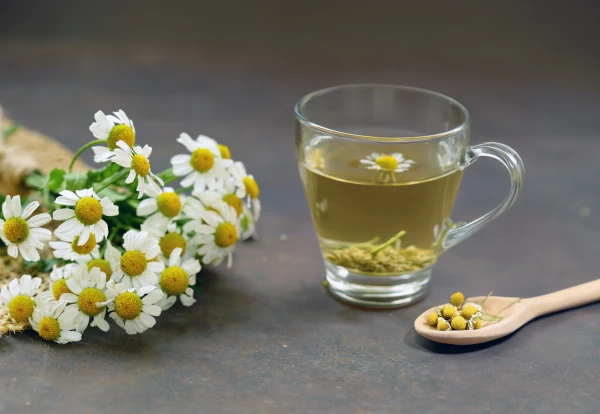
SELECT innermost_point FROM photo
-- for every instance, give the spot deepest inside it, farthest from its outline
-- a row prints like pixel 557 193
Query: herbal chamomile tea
pixel 380 213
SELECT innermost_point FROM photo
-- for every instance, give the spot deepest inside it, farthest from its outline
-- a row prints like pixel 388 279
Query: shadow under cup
pixel 381 167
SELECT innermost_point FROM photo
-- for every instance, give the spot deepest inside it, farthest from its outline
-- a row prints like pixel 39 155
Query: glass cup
pixel 381 166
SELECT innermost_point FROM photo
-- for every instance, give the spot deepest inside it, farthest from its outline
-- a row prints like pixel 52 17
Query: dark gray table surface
pixel 264 336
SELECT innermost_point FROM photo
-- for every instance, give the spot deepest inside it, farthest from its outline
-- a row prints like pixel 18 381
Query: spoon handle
pixel 565 299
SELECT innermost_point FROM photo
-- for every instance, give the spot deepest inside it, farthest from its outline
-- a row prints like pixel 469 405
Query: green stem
pixel 82 149
pixel 508 306
pixel 486 298
pixel 166 173
pixel 387 243
pixel 112 180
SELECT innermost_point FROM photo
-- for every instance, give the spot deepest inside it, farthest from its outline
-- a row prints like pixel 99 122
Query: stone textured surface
pixel 265 337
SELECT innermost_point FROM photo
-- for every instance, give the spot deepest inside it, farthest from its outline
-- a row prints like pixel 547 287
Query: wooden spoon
pixel 514 316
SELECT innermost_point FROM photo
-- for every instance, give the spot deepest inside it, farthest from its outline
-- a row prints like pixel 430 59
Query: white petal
pixel 39 220
pixel 152 297
pixel 7 208
pixel 71 336
pixel 147 320
pixel 63 214
pixel 31 207
pixel 151 310
pixel 16 206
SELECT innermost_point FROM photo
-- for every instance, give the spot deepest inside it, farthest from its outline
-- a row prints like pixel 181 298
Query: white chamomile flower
pixel 133 309
pixel 161 208
pixel 217 230
pixel 58 282
pixel 391 163
pixel 72 250
pixel 108 264
pixel 53 321
pixel 112 129
pixel 136 160
pixel 23 234
pixel 137 267
pixel 169 240
pixel 18 297
pixel 176 279
pixel 87 298
pixel 205 167
pixel 85 217
pixel 246 187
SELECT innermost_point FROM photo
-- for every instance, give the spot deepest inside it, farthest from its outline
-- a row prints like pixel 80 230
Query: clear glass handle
pixel 513 163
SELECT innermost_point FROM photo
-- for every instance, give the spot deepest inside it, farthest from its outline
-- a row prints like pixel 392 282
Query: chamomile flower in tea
pixel 18 297
pixel 112 129
pixel 133 309
pixel 22 233
pixel 176 280
pixel 393 162
pixel 136 160
pixel 205 168
pixel 85 217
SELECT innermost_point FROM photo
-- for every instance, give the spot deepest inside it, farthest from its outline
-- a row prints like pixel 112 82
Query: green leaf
pixel 113 195
pixel 56 180
pixel 43 265
pixel 97 176
pixel 76 181
pixel 36 180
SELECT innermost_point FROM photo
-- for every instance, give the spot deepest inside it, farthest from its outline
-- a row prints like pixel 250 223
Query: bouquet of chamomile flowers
pixel 119 243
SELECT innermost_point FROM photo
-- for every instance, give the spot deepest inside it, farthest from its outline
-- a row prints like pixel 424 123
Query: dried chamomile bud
pixel 449 312
pixel 443 325
pixel 477 324
pixel 457 299
pixel 459 323
pixel 470 310
pixel 432 319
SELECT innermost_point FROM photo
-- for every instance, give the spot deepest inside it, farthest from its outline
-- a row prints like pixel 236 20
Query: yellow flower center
pixel 133 263
pixel 120 132
pixel 174 281
pixel 59 287
pixel 16 230
pixel 387 162
pixel 101 264
pixel 235 202
pixel 170 242
pixel 226 235
pixel 128 305
pixel 88 299
pixel 88 211
pixel 225 152
pixel 202 160
pixel 468 311
pixel 21 308
pixel 87 247
pixel 169 204
pixel 49 329
pixel 251 187
pixel 140 165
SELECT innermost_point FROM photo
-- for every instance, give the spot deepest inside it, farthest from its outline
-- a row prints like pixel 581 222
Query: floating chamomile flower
pixel 133 309
pixel 18 297
pixel 54 321
pixel 205 167
pixel 176 279
pixel 107 264
pixel 72 250
pixel 137 266
pixel 246 186
pixel 161 208
pixel 112 129
pixel 23 234
pixel 393 162
pixel 137 160
pixel 86 216
pixel 217 231
pixel 87 298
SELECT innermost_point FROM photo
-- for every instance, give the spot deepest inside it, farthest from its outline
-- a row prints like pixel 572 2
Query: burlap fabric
pixel 24 152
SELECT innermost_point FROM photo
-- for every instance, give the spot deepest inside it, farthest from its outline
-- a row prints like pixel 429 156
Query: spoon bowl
pixel 514 313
